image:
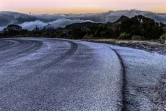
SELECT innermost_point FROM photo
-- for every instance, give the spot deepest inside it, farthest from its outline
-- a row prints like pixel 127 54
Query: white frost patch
pixel 143 70
pixel 110 68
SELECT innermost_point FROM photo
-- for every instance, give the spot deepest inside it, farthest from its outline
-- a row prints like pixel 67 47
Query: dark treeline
pixel 137 28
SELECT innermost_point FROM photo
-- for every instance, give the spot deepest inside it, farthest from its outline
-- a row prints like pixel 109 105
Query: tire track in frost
pixel 7 44
pixel 34 45
pixel 124 79
pixel 26 77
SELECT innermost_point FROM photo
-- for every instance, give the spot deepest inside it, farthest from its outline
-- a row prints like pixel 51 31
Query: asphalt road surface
pixel 69 75
pixel 59 75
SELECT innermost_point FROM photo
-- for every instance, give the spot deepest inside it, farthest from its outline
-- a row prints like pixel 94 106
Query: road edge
pixel 123 80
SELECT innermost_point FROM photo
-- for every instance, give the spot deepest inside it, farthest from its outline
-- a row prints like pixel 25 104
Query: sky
pixel 80 6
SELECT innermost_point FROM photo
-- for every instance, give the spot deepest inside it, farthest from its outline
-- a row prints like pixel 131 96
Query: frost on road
pixel 67 75
pixel 59 75
pixel 145 79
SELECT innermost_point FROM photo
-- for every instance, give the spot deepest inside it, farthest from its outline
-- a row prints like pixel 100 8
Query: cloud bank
pixel 56 24
pixel 61 20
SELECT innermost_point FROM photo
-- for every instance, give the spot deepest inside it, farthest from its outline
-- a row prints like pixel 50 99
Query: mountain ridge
pixel 28 21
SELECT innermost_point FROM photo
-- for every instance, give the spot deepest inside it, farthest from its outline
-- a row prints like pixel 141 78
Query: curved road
pixel 59 75
pixel 67 75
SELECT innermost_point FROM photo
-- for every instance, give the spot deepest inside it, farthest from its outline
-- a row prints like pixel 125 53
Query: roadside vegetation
pixel 135 28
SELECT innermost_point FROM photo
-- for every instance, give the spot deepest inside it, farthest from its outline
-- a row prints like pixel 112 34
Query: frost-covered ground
pixel 145 79
pixel 68 75
pixel 59 75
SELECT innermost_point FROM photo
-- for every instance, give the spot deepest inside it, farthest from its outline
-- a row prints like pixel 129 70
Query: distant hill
pixel 61 20
pixel 82 25
pixel 121 19
pixel 138 27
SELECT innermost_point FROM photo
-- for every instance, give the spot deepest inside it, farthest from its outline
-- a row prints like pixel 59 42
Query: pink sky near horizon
pixel 80 6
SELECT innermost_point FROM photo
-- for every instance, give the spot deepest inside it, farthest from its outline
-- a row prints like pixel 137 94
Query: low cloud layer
pixel 61 20
pixel 56 24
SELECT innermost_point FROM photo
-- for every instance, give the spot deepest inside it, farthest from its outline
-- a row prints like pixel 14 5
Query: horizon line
pixel 78 11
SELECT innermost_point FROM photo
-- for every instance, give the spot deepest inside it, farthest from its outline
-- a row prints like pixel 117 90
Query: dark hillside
pixel 137 28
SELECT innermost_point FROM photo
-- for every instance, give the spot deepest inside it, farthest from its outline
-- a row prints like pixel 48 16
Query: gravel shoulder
pixel 150 46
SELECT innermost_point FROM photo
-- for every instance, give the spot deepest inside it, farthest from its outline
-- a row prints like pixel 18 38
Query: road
pixel 59 75
pixel 39 74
